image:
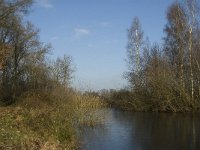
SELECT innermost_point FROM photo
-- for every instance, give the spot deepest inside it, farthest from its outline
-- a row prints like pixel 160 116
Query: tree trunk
pixel 190 62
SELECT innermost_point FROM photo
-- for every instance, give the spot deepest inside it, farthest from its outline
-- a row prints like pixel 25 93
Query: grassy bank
pixel 40 120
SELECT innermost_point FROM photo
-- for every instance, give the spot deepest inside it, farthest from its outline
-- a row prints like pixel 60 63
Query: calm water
pixel 144 131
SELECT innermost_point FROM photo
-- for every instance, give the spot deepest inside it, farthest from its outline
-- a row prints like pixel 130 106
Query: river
pixel 144 131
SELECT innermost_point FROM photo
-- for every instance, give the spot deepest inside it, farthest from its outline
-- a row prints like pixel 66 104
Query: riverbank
pixel 41 120
pixel 130 101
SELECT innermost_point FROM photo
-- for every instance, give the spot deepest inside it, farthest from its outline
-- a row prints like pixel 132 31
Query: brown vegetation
pixel 38 108
pixel 168 74
pixel 40 120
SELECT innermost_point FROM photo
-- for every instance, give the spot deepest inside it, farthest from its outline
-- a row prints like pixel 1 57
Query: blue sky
pixel 94 33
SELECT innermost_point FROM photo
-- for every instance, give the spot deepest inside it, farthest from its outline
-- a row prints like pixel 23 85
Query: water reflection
pixel 144 131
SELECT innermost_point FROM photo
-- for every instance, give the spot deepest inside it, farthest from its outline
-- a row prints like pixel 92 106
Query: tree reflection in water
pixel 144 131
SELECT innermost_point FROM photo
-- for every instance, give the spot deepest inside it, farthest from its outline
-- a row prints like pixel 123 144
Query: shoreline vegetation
pixel 40 120
pixel 126 100
pixel 164 77
pixel 40 110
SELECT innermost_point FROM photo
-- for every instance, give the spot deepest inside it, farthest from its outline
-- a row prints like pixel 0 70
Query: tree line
pixel 166 77
pixel 24 65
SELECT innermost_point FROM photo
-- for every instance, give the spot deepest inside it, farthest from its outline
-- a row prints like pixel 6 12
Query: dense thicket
pixel 167 77
pixel 23 64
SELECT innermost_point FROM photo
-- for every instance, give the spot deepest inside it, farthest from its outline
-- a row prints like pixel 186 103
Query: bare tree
pixel 191 8
pixel 176 35
pixel 134 46
pixel 62 70
pixel 9 10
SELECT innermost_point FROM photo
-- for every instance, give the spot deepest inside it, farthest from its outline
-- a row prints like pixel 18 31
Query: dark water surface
pixel 144 131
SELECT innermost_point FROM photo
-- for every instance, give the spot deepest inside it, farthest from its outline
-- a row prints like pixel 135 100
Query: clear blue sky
pixel 94 33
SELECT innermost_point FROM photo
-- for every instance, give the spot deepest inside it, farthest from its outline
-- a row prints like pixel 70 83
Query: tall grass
pixel 47 120
pixel 86 110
